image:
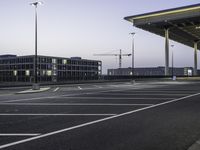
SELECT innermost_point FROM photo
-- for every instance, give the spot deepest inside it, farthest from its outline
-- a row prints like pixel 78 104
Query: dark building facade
pixel 49 69
pixel 152 71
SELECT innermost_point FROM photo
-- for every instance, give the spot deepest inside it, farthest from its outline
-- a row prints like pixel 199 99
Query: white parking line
pixel 69 96
pixel 74 104
pixel 79 88
pixel 94 122
pixel 20 134
pixel 121 98
pixel 159 91
pixel 9 114
pixel 56 89
pixel 167 94
pixel 51 97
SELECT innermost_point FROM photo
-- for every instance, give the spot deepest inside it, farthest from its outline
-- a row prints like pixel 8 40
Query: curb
pixel 33 91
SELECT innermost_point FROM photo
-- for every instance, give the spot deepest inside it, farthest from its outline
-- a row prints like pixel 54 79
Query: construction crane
pixel 120 56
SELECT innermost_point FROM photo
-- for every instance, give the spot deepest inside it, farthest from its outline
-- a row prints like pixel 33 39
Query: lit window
pixel 189 72
pixel 49 72
pixel 64 61
pixel 27 72
pixel 15 72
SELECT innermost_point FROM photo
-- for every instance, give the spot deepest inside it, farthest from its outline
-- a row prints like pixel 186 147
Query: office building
pixel 49 69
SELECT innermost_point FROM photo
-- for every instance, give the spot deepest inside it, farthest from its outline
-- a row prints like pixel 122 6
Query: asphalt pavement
pixel 102 116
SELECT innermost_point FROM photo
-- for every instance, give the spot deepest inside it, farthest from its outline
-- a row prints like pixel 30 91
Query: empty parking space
pixel 59 109
pixel 66 109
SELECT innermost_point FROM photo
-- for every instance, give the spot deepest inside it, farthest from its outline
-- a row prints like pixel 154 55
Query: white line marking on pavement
pixel 19 134
pixel 94 122
pixel 74 104
pixel 122 98
pixel 56 89
pixel 68 95
pixel 9 114
pixel 33 91
pixel 79 88
pixel 51 97
pixel 123 94
pixel 160 91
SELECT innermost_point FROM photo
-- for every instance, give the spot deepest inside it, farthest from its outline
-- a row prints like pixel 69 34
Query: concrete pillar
pixel 195 58
pixel 166 51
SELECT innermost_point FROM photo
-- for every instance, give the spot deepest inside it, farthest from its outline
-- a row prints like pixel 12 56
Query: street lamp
pixel 133 33
pixel 172 61
pixel 36 85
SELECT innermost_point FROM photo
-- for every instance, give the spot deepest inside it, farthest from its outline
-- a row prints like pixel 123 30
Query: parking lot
pixel 104 116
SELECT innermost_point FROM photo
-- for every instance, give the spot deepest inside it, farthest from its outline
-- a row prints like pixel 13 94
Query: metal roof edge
pixel 129 18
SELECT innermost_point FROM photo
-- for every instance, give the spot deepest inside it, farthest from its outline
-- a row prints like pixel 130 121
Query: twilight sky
pixel 70 28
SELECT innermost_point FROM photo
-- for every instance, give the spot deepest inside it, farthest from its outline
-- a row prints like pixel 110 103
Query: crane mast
pixel 120 56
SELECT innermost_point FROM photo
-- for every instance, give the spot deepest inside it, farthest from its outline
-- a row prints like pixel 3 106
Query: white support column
pixel 195 58
pixel 166 51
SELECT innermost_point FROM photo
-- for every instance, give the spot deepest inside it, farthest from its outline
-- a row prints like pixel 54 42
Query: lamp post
pixel 133 33
pixel 35 85
pixel 172 61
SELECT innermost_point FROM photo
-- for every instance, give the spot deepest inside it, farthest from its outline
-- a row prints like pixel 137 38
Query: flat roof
pixel 10 56
pixel 183 23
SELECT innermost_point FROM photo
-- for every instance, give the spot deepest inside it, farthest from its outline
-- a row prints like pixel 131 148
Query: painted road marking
pixel 10 114
pixel 67 95
pixel 79 88
pixel 167 94
pixel 20 134
pixel 70 96
pixel 94 122
pixel 51 97
pixel 33 91
pixel 167 90
pixel 121 98
pixel 74 104
pixel 56 89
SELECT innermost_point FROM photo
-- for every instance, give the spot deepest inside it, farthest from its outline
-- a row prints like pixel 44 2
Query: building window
pixel 15 72
pixel 54 61
pixel 64 61
pixel 189 72
pixel 43 72
pixel 49 72
pixel 27 72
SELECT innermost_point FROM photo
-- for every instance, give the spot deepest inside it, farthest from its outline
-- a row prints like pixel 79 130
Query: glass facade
pixel 56 69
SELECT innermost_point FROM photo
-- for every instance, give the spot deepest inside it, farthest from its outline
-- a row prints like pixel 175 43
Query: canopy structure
pixel 179 24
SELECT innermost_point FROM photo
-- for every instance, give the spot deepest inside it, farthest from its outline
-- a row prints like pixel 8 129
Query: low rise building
pixel 151 71
pixel 57 69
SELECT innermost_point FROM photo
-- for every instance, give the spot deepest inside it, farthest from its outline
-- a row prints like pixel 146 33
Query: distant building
pixel 153 71
pixel 21 68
